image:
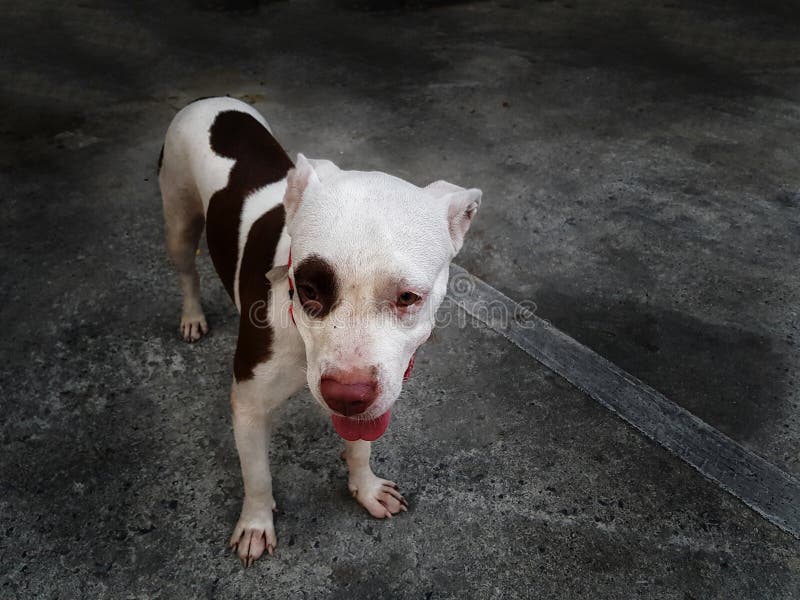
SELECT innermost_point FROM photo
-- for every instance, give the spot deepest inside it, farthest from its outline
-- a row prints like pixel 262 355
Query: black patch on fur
pixel 254 345
pixel 260 160
pixel 319 275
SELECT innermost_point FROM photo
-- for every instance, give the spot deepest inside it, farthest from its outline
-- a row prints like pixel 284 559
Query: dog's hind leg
pixel 184 220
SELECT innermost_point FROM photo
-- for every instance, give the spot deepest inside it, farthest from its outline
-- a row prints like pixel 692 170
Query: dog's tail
pixel 160 160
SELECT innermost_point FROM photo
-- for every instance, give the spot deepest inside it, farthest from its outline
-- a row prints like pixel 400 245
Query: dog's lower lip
pixel 360 417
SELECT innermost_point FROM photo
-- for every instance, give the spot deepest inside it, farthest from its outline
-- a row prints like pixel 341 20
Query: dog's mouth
pixel 354 428
pixel 361 429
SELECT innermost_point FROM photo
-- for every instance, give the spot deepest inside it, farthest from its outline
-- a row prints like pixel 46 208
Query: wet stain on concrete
pixel 787 199
pixel 631 42
pixel 36 118
pixel 732 378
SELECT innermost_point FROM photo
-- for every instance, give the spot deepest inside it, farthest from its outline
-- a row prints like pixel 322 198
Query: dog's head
pixel 370 262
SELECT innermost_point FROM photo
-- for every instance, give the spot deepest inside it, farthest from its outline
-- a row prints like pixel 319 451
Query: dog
pixel 336 275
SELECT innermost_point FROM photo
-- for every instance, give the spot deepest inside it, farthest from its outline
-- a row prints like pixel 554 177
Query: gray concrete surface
pixel 641 184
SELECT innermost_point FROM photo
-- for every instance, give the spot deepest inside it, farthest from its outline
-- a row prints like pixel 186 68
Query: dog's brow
pixel 411 283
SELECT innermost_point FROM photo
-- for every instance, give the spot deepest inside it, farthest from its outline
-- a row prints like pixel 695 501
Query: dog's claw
pixel 392 491
pixel 193 327
pixel 379 496
pixel 250 540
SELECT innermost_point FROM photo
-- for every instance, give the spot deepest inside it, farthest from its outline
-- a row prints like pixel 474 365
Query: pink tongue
pixel 352 429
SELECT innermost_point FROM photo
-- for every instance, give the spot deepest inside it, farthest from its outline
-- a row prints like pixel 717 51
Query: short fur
pixel 358 242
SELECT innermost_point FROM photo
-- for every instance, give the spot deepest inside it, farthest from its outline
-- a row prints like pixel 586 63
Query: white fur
pixel 378 231
pixel 187 153
pixel 382 234
pixel 255 206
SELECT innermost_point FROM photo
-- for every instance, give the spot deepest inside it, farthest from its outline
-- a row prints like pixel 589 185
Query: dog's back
pixel 190 161
pixel 221 167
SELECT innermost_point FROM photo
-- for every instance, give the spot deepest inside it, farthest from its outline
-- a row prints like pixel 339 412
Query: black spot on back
pixel 260 160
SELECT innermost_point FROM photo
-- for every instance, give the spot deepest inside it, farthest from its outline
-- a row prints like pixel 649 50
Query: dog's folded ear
pixel 297 180
pixel 462 204
pixel 306 172
pixel 323 168
pixel 277 273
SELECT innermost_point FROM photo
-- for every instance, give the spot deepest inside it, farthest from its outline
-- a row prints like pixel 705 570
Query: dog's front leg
pixel 379 496
pixel 252 424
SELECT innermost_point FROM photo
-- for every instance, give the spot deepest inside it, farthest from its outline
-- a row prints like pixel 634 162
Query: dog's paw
pixel 379 496
pixel 253 534
pixel 193 326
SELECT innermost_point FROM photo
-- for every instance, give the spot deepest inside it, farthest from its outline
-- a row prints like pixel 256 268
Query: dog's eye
pixel 408 299
pixel 310 299
pixel 307 292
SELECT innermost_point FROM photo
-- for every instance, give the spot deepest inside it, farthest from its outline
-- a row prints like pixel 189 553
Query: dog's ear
pixel 275 274
pixel 323 168
pixel 305 173
pixel 297 180
pixel 462 204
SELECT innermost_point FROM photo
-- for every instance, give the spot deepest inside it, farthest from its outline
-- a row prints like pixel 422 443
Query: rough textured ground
pixel 641 184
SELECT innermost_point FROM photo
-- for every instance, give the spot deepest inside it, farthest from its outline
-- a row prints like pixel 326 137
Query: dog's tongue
pixel 352 429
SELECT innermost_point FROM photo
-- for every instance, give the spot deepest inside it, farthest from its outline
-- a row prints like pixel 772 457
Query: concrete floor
pixel 641 184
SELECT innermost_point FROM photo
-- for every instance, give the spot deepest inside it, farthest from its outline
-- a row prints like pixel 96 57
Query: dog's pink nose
pixel 349 392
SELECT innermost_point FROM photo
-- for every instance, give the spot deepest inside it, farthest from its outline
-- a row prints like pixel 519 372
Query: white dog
pixel 337 276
